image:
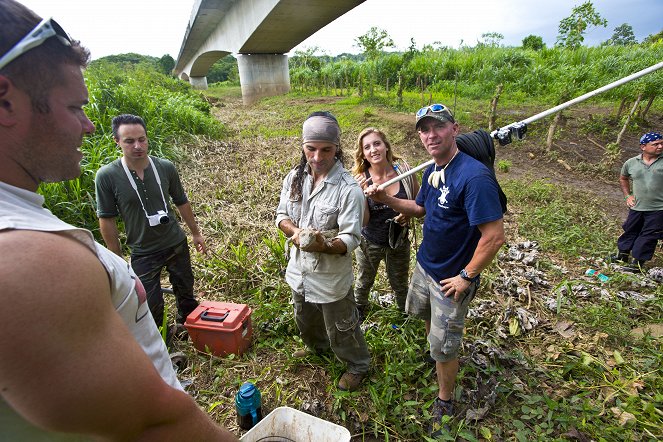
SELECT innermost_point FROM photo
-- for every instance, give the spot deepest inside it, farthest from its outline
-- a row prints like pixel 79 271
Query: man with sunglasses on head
pixel 463 231
pixel 139 188
pixel 80 356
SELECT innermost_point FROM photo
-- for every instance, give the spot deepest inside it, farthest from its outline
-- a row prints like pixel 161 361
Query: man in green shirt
pixel 641 181
pixel 139 188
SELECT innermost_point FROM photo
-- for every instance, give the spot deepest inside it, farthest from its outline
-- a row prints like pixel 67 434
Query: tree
pixel 166 64
pixel 307 58
pixel 533 42
pixel 491 39
pixel 653 38
pixel 573 28
pixel 622 36
pixel 372 44
pixel 224 69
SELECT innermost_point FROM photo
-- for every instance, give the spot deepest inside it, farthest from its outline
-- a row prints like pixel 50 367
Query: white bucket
pixel 295 425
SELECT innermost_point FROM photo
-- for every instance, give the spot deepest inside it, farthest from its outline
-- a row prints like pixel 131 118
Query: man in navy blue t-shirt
pixel 463 231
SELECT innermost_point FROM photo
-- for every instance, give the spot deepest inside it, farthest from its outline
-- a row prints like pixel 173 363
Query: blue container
pixel 248 406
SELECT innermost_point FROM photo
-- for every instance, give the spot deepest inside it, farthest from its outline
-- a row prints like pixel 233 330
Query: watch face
pixel 465 276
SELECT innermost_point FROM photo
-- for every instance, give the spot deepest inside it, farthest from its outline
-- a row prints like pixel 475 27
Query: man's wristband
pixel 627 197
pixel 466 277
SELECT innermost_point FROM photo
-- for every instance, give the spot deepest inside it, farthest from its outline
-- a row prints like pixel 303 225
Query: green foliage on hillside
pixel 129 60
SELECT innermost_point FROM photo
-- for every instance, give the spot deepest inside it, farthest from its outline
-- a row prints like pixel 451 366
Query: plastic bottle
pixel 248 406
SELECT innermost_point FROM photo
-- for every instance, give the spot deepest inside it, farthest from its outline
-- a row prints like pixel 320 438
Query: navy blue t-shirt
pixel 468 198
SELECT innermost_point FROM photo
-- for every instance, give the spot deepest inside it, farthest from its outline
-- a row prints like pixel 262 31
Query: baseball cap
pixel 438 111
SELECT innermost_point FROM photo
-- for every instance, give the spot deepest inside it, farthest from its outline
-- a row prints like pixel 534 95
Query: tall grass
pixel 173 112
pixel 539 76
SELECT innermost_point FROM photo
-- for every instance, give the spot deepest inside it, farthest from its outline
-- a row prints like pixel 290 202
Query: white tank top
pixel 21 209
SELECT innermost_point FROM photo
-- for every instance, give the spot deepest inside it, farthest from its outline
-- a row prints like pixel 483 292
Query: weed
pixel 503 165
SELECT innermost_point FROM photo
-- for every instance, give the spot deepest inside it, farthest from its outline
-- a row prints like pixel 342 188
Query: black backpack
pixel 479 145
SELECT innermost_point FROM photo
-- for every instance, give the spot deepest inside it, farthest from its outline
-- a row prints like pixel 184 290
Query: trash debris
pixel 314 408
pixel 482 308
pixel 565 328
pixel 481 352
pixel 385 300
pixel 635 296
pixel 596 274
pixel 656 273
pixel 367 325
pixel 485 393
pixel 550 302
pixel 519 320
pixel 179 361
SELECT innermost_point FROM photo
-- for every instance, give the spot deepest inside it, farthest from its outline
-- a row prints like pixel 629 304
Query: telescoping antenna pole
pixel 518 129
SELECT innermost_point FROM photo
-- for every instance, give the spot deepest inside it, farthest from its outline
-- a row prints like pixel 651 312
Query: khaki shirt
pixel 336 203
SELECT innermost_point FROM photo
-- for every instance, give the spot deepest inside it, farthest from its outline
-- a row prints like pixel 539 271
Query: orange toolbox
pixel 220 328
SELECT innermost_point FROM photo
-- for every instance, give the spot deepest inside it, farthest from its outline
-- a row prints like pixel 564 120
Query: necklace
pixel 438 175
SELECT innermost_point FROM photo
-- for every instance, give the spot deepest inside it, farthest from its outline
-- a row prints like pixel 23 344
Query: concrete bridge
pixel 261 32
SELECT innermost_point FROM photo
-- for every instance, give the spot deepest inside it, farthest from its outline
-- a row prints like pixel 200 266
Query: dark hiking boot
pixel 635 266
pixel 439 425
pixel 350 381
pixel 620 257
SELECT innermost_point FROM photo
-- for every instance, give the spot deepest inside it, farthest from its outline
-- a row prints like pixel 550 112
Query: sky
pixel 156 27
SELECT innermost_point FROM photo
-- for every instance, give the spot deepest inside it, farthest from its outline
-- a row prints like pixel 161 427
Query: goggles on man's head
pixel 46 29
pixel 433 108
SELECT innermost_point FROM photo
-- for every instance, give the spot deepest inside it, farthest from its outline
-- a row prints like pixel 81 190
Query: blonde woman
pixel 384 235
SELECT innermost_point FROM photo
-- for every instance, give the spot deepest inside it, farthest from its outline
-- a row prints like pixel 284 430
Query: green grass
pixel 559 217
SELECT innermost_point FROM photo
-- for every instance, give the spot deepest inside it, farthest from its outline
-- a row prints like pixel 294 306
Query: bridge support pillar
pixel 198 82
pixel 263 75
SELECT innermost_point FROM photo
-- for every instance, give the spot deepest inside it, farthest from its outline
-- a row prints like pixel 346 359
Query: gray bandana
pixel 320 128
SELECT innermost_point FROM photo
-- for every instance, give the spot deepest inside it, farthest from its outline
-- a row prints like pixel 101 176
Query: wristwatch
pixel 466 277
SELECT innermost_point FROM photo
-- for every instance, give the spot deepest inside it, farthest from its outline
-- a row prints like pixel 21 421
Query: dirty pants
pixel 397 266
pixel 333 325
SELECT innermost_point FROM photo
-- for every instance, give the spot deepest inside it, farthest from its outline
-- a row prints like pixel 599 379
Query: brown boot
pixel 350 381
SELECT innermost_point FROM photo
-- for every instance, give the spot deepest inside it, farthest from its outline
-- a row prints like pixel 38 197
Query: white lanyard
pixel 133 184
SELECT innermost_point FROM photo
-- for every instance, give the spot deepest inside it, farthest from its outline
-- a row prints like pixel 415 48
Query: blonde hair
pixel 361 164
